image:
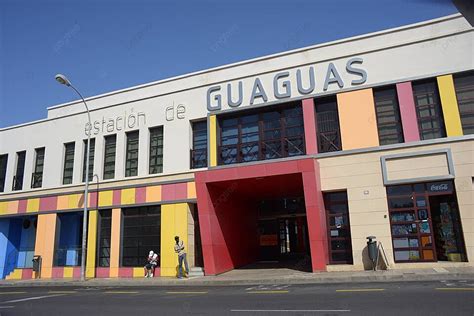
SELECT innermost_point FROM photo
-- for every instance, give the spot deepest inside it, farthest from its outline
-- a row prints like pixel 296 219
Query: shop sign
pixel 282 82
pixel 113 124
pixel 439 187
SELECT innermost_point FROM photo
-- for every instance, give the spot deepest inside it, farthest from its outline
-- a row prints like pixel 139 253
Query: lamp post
pixel 62 79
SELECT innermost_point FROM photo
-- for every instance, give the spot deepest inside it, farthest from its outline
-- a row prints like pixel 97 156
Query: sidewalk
pixel 265 276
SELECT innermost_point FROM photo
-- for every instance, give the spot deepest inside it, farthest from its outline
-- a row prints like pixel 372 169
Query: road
pixel 408 298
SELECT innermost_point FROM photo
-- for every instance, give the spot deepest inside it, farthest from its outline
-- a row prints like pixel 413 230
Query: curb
pixel 197 282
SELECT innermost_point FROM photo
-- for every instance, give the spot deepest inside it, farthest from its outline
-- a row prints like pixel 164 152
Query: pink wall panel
pixel 22 206
pixel 408 112
pixel 48 203
pixel 140 195
pixel 309 119
pixel 117 197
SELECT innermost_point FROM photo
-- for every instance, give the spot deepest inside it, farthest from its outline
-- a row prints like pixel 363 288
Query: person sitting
pixel 151 265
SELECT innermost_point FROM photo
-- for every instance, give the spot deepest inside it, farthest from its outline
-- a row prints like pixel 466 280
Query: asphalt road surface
pixel 401 299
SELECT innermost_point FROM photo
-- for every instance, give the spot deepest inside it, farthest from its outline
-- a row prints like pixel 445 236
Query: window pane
pixel 131 162
pixel 68 163
pixel 464 85
pixel 91 160
pixel 328 133
pixel 199 149
pixel 156 150
pixel 37 176
pixel 109 156
pixel 3 171
pixel 428 109
pixel 388 116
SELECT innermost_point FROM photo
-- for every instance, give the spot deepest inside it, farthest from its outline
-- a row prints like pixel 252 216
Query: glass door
pixel 411 223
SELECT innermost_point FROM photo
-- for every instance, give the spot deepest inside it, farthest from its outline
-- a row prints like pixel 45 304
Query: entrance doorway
pixel 283 233
pixel 425 222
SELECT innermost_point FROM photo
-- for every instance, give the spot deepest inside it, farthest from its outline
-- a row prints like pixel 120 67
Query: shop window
pixel 3 171
pixel 131 161
pixel 109 156
pixel 338 226
pixel 20 170
pixel 68 163
pixel 156 150
pixel 428 110
pixel 141 233
pixel 104 238
pixel 464 85
pixel 425 223
pixel 91 160
pixel 328 133
pixel 388 116
pixel 37 176
pixel 199 150
pixel 68 249
pixel 278 133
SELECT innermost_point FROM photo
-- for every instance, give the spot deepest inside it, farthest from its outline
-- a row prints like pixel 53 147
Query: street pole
pixel 63 80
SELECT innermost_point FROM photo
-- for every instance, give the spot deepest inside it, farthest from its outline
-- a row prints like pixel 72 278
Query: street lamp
pixel 62 79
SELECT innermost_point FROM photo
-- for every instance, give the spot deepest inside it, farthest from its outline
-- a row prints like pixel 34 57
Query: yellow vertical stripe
pixel 138 272
pixel 449 103
pixel 212 141
pixel 3 208
pixel 91 244
pixel 115 242
pixel 174 222
pixel 106 198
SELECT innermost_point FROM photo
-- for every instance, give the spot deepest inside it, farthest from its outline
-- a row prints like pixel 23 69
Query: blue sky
pixel 108 45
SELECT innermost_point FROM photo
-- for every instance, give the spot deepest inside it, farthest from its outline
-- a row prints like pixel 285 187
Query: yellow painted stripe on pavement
pixel 187 292
pixel 12 293
pixel 360 290
pixel 455 288
pixel 121 292
pixel 268 292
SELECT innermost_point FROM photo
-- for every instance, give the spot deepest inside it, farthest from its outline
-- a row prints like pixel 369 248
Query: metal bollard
pixel 372 250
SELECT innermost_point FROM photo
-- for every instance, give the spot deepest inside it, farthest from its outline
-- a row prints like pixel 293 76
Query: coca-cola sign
pixel 439 187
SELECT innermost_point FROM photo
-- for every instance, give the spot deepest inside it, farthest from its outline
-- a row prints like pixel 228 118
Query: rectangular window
pixel 199 150
pixel 389 124
pixel 104 238
pixel 20 170
pixel 328 133
pixel 37 177
pixel 109 156
pixel 3 171
pixel 464 85
pixel 338 226
pixel 141 233
pixel 278 133
pixel 156 150
pixel 428 110
pixel 68 163
pixel 131 162
pixel 91 160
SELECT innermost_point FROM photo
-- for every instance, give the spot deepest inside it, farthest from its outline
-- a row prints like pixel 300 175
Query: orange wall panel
pixel 115 242
pixel 357 119
pixel 45 241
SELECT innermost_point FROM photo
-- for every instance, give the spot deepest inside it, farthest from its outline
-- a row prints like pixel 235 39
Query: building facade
pixel 293 158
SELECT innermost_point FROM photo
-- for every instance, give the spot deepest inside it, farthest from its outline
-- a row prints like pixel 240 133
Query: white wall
pixel 422 50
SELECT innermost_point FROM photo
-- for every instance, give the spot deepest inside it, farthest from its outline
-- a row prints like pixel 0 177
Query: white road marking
pixel 6 307
pixel 32 298
pixel 289 310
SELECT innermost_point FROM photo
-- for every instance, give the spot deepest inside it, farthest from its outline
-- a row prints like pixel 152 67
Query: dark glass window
pixel 199 151
pixel 141 233
pixel 20 170
pixel 272 134
pixel 3 171
pixel 68 163
pixel 91 160
pixel 329 134
pixel 131 162
pixel 105 231
pixel 109 156
pixel 387 109
pixel 37 177
pixel 339 229
pixel 156 150
pixel 428 110
pixel 464 84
